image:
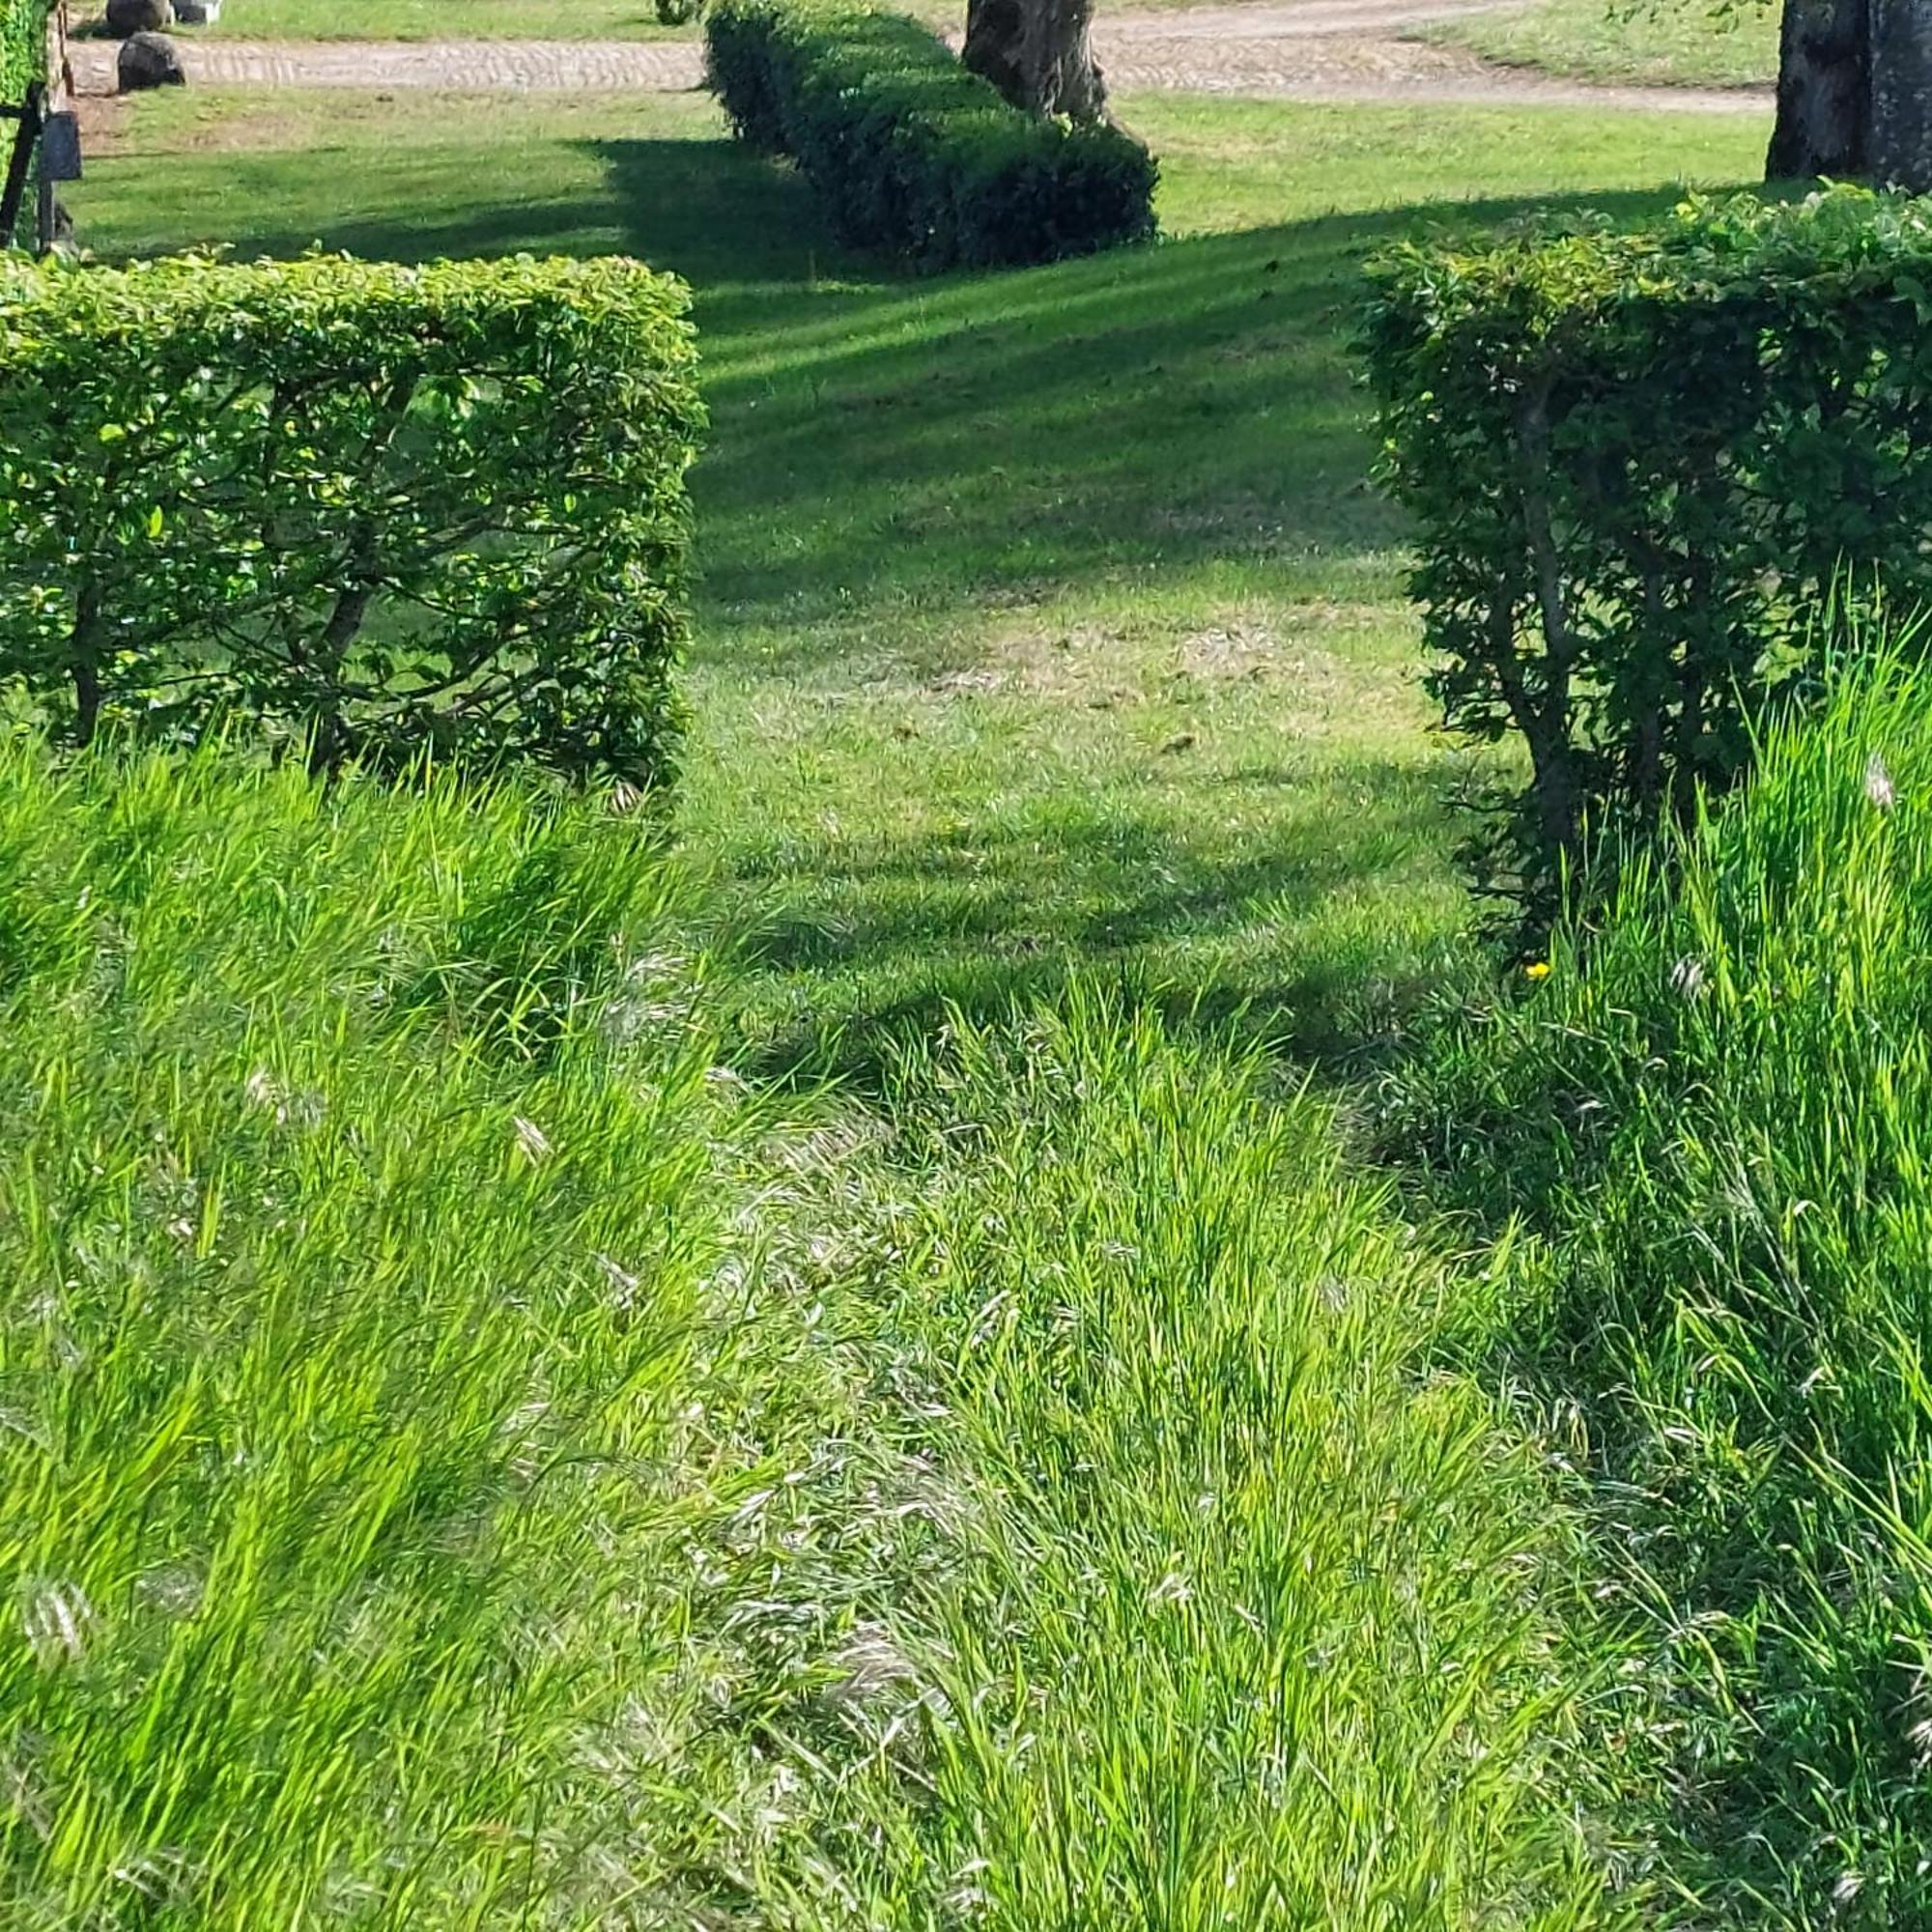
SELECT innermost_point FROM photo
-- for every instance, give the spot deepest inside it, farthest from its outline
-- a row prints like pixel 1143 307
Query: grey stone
pixel 138 17
pixel 150 59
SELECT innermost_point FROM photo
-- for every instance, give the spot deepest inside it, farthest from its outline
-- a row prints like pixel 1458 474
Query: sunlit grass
pixel 1240 1623
pixel 467 1465
pixel 1711 1119
pixel 432 19
pixel 1653 42
pixel 1047 619
pixel 359 1203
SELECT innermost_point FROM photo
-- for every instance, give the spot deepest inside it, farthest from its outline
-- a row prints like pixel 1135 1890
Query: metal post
pixel 25 135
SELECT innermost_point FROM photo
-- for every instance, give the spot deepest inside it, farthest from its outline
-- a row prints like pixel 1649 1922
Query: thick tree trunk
pixel 1824 91
pixel 1038 54
pixel 1901 93
pixel 1855 92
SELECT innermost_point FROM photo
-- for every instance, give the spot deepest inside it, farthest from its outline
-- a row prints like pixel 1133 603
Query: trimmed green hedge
pixel 24 47
pixel 910 151
pixel 369 510
pixel 1638 463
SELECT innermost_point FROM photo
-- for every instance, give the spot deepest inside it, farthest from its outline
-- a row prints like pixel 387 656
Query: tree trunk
pixel 1038 54
pixel 1855 92
pixel 1901 93
pixel 1824 91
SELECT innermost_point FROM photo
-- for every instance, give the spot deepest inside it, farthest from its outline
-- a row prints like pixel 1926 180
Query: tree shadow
pixel 1301 941
pixel 895 446
pixel 893 456
pixel 892 446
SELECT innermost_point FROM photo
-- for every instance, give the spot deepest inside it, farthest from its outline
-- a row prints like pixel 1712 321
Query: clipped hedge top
pixel 1560 278
pixel 909 150
pixel 903 65
pixel 322 303
pixel 1638 462
pixel 365 510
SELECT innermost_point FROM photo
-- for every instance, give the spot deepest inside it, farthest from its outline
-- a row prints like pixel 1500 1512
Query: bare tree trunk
pixel 1901 93
pixel 1824 91
pixel 1039 54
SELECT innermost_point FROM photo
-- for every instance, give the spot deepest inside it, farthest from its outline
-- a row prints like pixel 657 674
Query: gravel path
pixel 1332 50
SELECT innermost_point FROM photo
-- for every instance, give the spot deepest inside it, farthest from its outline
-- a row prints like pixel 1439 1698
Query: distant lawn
pixel 1668 41
pixel 437 20
pixel 1048 619
pixel 1671 43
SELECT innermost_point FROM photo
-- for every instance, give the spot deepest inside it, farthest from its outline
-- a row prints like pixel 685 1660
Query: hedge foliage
pixel 369 510
pixel 24 47
pixel 1638 464
pixel 910 151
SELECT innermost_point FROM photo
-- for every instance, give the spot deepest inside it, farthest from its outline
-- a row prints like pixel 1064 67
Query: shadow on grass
pixel 888 446
pixel 902 448
pixel 893 457
pixel 704 208
pixel 1315 934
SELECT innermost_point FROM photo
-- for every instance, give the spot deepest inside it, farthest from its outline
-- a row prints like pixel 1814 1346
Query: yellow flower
pixel 1536 969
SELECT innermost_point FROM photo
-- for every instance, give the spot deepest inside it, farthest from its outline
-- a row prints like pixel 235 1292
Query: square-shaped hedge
pixel 355 510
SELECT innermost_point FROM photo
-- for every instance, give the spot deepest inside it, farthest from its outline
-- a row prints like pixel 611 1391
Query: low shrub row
pixel 1705 1132
pixel 1636 463
pixel 910 151
pixel 371 512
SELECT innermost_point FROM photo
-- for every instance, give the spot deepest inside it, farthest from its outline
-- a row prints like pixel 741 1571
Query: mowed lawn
pixel 1047 619
pixel 1707 43
pixel 1701 44
pixel 497 19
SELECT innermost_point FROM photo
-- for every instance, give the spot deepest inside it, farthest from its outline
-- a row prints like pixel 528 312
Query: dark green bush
pixel 367 511
pixel 910 151
pixel 1638 463
pixel 23 48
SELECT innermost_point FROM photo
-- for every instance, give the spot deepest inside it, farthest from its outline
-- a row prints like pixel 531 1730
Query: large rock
pixel 150 59
pixel 139 16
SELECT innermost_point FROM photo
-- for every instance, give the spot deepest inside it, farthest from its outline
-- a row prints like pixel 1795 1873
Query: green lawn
pixel 1661 42
pixel 491 19
pixel 1047 619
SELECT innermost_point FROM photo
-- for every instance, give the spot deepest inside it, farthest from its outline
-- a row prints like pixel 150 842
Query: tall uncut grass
pixel 1236 1616
pixel 358 1186
pixel 461 1464
pixel 1715 1119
